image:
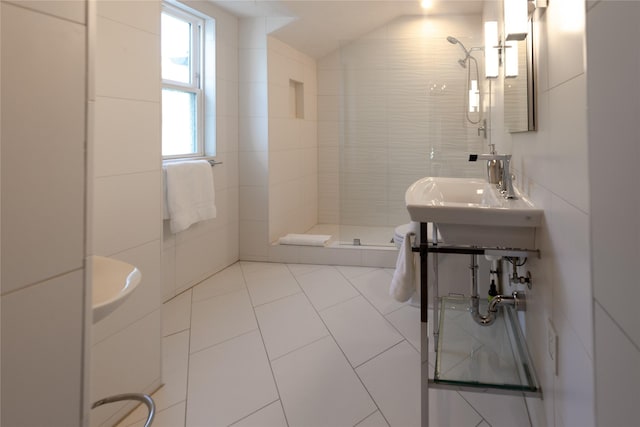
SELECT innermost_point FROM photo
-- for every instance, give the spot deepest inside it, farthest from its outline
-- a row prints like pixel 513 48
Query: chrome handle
pixel 144 398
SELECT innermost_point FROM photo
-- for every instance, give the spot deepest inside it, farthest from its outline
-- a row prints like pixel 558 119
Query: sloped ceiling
pixel 317 27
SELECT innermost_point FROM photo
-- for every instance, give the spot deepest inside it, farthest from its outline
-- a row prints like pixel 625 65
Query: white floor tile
pixel 407 321
pixel 176 314
pixel 448 408
pixel 217 319
pixel 299 269
pixel 268 281
pixel 289 323
pixel 393 379
pixel 375 287
pixel 326 287
pixel 360 331
pixel 270 416
pixel 228 280
pixel 353 272
pixel 229 381
pixel 499 411
pixel 374 420
pixel 175 366
pixel 319 388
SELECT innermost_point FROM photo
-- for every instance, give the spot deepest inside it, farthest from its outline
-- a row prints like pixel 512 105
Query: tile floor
pixel 271 345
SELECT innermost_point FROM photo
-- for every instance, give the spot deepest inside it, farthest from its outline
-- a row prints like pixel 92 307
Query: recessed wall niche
pixel 296 99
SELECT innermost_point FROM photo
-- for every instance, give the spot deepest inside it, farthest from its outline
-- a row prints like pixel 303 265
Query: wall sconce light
pixel 516 15
pixel 491 49
pixel 474 97
pixel 511 59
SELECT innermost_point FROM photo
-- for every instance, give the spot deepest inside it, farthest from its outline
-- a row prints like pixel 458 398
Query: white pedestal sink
pixel 471 211
pixel 113 282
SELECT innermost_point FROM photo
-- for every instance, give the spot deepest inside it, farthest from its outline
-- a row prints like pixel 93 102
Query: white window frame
pixel 196 78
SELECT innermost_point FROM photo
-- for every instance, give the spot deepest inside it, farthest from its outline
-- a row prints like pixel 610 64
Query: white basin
pixel 470 211
pixel 113 282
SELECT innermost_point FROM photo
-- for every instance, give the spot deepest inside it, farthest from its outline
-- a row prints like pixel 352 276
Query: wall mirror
pixel 519 85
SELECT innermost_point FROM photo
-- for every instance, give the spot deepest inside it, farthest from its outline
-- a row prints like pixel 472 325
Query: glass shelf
pixel 472 356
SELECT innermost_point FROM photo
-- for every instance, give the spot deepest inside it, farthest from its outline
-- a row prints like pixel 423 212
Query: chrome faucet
pixel 506 183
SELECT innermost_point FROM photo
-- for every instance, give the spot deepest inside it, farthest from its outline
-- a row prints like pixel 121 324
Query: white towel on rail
pixel 190 193
pixel 403 282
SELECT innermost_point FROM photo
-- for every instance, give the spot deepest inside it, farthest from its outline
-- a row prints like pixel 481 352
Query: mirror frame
pixel 531 102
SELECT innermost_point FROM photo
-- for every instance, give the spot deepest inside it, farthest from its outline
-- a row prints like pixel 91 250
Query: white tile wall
pixel 43 212
pixel 117 132
pixel 127 197
pixel 60 9
pixel 208 247
pixel 42 358
pixel 613 136
pixel 552 166
pixel 127 76
pixel 36 134
pixel 253 156
pixel 293 154
pixel 127 211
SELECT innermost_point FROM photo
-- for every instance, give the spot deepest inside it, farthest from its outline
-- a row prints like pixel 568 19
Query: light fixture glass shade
pixel 511 59
pixel 474 97
pixel 515 19
pixel 491 54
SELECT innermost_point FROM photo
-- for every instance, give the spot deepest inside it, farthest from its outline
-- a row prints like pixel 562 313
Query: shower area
pixel 395 105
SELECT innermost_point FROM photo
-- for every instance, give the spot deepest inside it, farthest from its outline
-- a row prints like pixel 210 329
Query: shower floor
pixel 343 235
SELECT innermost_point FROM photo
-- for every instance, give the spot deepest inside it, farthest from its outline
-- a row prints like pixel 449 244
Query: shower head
pixel 452 40
pixel 467 54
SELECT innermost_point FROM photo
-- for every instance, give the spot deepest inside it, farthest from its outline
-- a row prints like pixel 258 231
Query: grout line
pixel 345 356
pixel 264 346
pixel 254 412
pixel 384 351
pixel 362 420
pixel 186 403
pixel 474 408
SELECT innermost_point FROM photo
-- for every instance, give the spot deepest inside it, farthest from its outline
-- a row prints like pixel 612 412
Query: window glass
pixel 179 127
pixel 176 49
pixel 182 93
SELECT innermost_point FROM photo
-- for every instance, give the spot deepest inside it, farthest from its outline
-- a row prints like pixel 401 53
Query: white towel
pixel 304 239
pixel 403 282
pixel 190 193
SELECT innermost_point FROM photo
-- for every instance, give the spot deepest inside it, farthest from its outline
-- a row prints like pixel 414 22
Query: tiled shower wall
pixel 293 145
pixel 391 111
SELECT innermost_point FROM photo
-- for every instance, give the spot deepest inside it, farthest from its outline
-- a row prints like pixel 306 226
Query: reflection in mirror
pixel 519 93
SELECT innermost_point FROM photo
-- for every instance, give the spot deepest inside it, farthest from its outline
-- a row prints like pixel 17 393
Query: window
pixel 182 83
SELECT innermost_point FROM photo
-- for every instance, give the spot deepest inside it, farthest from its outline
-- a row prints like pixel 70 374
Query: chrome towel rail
pixel 144 398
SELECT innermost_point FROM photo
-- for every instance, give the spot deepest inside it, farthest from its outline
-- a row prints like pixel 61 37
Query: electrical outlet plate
pixel 552 346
